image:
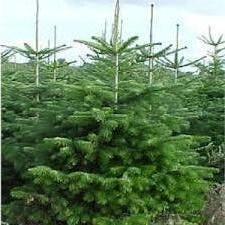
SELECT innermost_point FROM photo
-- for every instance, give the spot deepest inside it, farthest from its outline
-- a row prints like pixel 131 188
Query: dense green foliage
pixel 209 98
pixel 103 147
pixel 79 159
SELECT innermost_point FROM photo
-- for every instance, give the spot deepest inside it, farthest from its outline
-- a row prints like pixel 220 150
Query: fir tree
pixel 101 165
pixel 210 101
pixel 105 149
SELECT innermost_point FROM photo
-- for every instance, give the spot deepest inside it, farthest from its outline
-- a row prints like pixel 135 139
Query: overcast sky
pixel 80 19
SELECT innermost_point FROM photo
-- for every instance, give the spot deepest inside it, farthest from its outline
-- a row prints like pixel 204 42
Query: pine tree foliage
pixel 30 53
pixel 104 166
pixel 6 55
pixel 86 162
pixel 78 159
pixel 217 57
pixel 210 100
pixel 178 62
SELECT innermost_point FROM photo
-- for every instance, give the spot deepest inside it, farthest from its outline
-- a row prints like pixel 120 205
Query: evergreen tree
pixel 101 165
pixel 210 101
pixel 102 147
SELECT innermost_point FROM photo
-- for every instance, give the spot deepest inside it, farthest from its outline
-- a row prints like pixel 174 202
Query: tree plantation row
pixel 126 138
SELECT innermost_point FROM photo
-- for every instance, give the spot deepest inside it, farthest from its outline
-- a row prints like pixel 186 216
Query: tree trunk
pixel 150 62
pixel 55 66
pixel 117 79
pixel 176 55
pixel 37 48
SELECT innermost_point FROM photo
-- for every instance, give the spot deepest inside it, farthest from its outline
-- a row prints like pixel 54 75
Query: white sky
pixel 81 19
